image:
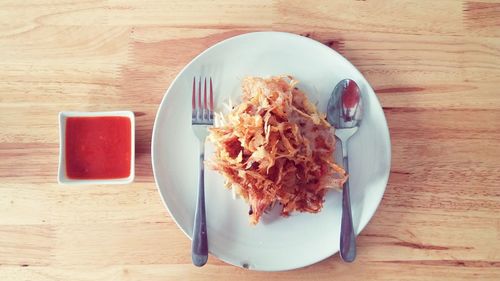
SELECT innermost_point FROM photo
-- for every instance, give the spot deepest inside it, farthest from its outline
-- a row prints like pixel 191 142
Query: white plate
pixel 275 243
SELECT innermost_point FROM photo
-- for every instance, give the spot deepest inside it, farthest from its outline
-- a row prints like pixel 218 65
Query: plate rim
pixel 386 133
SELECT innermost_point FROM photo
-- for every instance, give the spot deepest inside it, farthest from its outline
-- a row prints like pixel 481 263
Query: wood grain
pixel 435 66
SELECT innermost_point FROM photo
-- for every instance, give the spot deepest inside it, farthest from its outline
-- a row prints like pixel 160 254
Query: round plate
pixel 276 243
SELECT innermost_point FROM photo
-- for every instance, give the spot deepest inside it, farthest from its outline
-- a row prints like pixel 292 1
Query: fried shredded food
pixel 275 147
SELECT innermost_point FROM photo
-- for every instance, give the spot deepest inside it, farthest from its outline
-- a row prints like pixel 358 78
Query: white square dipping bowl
pixel 62 177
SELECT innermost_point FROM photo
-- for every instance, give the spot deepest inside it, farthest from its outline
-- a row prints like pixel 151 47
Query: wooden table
pixel 435 66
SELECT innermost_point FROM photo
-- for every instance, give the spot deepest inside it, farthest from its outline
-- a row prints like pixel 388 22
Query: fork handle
pixel 199 252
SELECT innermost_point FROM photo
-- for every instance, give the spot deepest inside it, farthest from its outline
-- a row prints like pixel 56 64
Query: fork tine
pixel 199 93
pixel 193 98
pixel 205 106
pixel 211 97
pixel 199 100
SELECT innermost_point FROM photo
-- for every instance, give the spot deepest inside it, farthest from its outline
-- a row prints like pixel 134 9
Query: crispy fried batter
pixel 275 147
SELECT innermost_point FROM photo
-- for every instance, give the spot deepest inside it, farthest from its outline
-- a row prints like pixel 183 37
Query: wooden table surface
pixel 435 66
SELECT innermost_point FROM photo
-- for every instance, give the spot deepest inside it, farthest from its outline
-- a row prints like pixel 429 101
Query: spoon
pixel 344 112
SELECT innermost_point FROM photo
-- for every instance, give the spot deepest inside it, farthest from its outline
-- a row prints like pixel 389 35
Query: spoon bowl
pixel 345 105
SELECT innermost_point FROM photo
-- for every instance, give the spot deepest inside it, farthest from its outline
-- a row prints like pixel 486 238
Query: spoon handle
pixel 347 235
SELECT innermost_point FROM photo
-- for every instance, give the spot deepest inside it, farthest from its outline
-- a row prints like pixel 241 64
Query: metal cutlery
pixel 202 118
pixel 344 112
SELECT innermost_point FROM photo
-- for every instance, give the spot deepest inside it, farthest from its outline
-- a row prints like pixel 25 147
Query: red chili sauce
pixel 98 147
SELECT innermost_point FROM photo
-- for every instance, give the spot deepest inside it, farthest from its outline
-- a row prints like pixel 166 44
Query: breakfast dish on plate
pixel 175 154
pixel 276 148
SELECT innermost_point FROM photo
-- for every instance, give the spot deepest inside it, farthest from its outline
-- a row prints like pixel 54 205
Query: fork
pixel 202 117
